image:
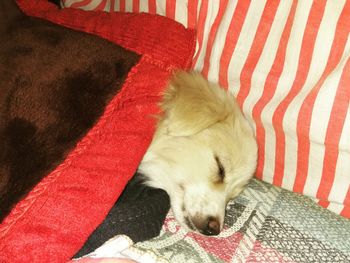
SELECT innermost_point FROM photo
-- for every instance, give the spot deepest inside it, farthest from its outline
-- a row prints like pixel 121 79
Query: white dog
pixel 203 152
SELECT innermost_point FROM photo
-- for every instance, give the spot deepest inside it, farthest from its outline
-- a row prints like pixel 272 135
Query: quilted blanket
pixel 264 224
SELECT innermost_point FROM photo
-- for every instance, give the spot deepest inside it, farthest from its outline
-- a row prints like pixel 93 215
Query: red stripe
pixel 347 198
pixel 323 203
pixel 212 35
pixel 101 6
pixel 136 6
pixel 170 8
pixel 346 209
pixel 122 6
pixel 346 212
pixel 270 88
pixel 81 4
pixel 152 7
pixel 305 114
pixel 112 6
pixel 200 28
pixel 307 47
pixel 192 14
pixel 256 49
pixel 334 131
pixel 231 40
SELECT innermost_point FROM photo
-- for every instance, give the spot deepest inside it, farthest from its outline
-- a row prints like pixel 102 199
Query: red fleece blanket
pixel 58 215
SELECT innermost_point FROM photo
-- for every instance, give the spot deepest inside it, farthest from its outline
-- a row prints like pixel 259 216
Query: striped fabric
pixel 288 64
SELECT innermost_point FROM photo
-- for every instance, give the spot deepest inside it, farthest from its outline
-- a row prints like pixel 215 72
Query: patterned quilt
pixel 263 224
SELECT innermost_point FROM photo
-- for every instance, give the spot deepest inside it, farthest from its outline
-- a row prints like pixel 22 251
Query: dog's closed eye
pixel 221 171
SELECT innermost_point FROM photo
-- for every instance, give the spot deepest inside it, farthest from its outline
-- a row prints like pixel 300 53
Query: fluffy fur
pixel 203 152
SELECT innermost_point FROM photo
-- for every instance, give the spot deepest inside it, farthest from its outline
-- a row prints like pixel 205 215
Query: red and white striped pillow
pixel 288 64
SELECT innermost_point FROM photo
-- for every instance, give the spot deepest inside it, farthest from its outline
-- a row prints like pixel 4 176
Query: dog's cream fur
pixel 203 152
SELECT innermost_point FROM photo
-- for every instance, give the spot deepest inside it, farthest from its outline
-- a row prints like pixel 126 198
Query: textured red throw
pixel 56 218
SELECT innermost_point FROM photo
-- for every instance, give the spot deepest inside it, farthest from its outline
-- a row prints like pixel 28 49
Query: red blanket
pixel 58 215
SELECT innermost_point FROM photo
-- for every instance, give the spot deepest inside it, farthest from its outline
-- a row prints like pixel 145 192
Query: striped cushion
pixel 287 62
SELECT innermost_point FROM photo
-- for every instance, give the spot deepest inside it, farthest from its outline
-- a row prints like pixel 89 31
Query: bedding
pixel 287 62
pixel 54 88
pixel 263 224
pixel 56 217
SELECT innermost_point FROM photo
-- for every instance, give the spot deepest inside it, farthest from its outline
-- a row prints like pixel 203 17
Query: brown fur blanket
pixel 54 85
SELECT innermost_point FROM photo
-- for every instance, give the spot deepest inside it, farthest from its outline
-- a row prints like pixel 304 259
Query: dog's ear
pixel 191 104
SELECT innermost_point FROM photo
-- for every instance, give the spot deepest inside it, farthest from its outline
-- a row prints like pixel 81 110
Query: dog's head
pixel 203 153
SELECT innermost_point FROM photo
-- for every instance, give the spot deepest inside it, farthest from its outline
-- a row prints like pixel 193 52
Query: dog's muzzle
pixel 209 226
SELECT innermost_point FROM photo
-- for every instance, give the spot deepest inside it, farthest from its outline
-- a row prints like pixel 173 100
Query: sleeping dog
pixel 203 153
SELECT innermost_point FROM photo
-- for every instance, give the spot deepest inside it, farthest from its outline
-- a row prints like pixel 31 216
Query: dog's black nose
pixel 213 227
pixel 208 226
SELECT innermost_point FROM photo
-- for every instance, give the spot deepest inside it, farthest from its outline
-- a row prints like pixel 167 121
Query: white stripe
pixel 219 43
pixel 269 160
pixel 197 15
pixel 92 5
pixel 107 8
pixel 244 44
pixel 211 15
pixel 181 11
pixel 321 112
pixel 116 5
pixel 284 84
pixel 161 7
pixel 68 3
pixel 143 6
pixel 128 5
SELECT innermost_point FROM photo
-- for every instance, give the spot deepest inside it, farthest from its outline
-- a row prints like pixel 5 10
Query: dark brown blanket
pixel 54 85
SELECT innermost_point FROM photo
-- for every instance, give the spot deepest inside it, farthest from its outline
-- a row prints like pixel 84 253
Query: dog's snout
pixel 209 226
pixel 213 227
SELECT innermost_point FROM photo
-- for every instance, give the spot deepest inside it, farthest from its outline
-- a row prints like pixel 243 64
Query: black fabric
pixel 56 2
pixel 139 213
